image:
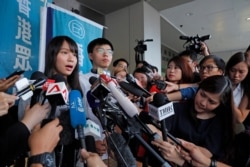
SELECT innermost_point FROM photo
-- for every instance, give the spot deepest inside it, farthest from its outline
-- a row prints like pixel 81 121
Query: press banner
pixel 19 32
pixel 82 30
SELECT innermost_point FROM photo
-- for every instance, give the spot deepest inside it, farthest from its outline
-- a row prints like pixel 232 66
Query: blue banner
pixel 80 29
pixel 20 34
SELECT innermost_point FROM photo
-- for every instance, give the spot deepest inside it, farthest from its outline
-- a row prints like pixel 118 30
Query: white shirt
pixel 238 94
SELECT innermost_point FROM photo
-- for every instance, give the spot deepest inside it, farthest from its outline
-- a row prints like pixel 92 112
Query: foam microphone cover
pixel 90 144
pixel 123 149
pixel 131 88
pixel 76 107
pixel 159 99
pixel 92 80
pixel 59 78
pixel 37 75
pixel 37 92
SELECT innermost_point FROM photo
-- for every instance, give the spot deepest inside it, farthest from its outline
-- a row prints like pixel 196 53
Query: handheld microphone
pixel 92 129
pixel 28 91
pixel 39 92
pixel 129 108
pixel 161 109
pixel 132 86
pixel 98 89
pixel 57 93
pixel 77 115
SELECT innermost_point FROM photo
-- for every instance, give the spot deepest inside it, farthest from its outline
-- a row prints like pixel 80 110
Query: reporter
pixel 5 84
pixel 14 140
pixel 6 101
pixel 197 158
pixel 92 159
pixel 43 141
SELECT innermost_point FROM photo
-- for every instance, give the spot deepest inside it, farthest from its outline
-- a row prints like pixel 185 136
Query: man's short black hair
pixel 98 41
pixel 118 60
pixel 192 54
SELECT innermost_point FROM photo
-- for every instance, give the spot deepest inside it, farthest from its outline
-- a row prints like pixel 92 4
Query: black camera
pixel 193 42
pixel 161 85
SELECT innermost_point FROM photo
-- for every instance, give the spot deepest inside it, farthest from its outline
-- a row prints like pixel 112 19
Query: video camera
pixel 193 42
pixel 140 48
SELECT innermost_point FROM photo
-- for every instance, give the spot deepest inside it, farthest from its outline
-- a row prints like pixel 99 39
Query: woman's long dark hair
pixel 235 59
pixel 221 85
pixel 186 71
pixel 52 50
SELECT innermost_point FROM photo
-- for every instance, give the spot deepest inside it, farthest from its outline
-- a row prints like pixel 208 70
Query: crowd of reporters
pixel 25 137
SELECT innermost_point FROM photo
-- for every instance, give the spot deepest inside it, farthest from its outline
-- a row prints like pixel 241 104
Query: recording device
pixel 15 73
pixel 92 129
pixel 39 92
pixel 98 89
pixel 160 109
pixel 77 115
pixel 193 42
pixel 128 120
pixel 132 87
pixel 160 84
pixel 28 91
pixel 140 49
pixel 57 93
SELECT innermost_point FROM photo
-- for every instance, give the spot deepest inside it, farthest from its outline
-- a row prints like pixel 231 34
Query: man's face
pixel 120 65
pixel 190 62
pixel 102 56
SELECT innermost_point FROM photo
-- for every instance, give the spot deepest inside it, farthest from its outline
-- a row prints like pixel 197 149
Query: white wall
pixel 136 22
pixel 152 30
pixel 124 27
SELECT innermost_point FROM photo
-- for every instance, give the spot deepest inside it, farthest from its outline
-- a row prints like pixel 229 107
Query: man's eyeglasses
pixel 208 68
pixel 108 51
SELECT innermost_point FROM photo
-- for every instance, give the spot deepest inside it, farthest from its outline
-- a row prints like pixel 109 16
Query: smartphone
pixel 18 72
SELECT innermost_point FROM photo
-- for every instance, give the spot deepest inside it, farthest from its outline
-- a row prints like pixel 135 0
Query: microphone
pixel 129 108
pixel 160 109
pixel 57 93
pixel 92 129
pixel 132 112
pixel 28 91
pixel 39 92
pixel 98 89
pixel 77 114
pixel 118 144
pixel 132 87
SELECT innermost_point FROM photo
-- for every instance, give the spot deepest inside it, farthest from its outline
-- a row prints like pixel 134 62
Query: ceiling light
pixel 248 19
pixel 189 14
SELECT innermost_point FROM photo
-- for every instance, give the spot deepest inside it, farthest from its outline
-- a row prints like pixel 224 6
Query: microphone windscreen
pixel 131 88
pixel 92 80
pixel 159 99
pixel 59 78
pixel 119 146
pixel 37 75
pixel 93 102
pixel 90 144
pixel 76 107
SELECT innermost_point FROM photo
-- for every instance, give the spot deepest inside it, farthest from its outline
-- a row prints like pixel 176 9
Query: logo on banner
pixel 77 29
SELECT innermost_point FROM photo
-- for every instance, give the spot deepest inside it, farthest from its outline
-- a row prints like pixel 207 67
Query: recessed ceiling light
pixel 189 14
pixel 248 19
